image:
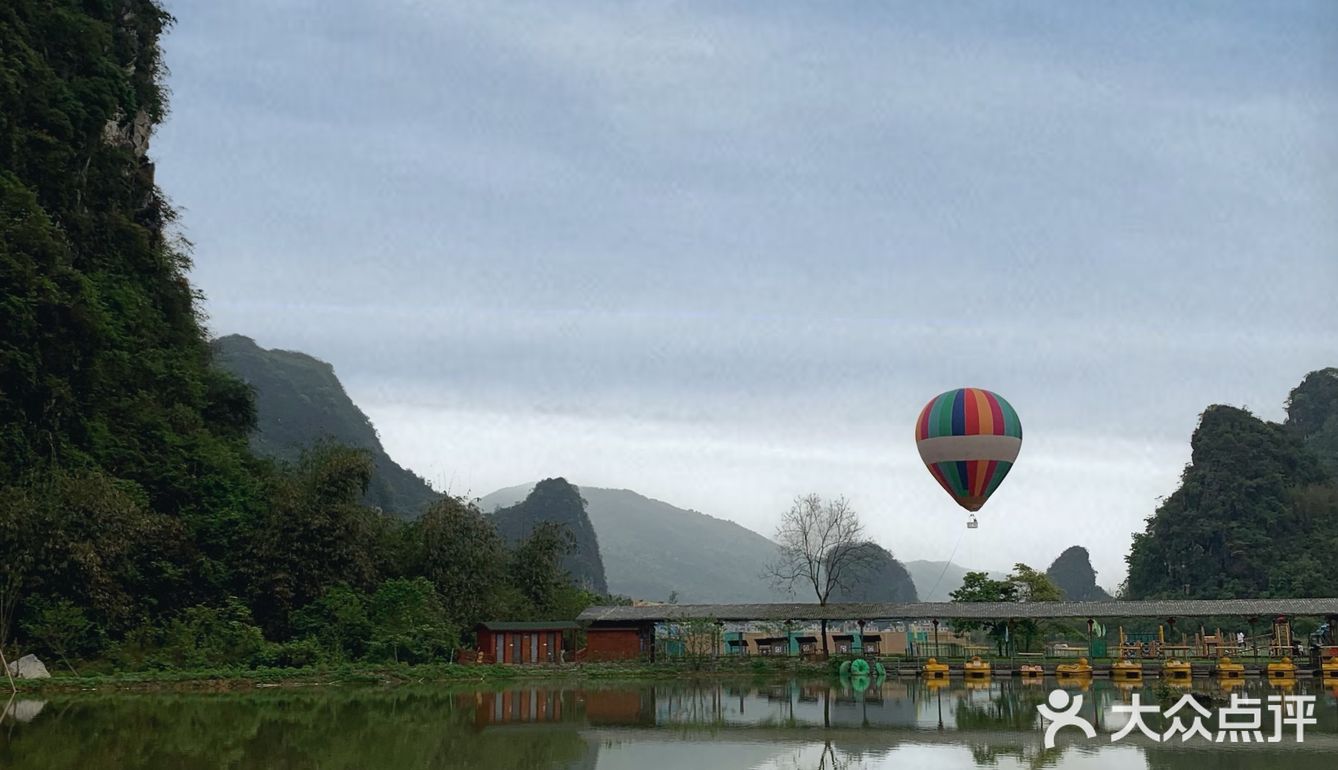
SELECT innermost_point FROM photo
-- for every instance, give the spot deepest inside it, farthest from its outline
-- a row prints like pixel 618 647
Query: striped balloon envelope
pixel 969 439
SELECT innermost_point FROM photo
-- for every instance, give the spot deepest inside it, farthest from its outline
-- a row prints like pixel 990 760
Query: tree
pixel 316 534
pixel 980 587
pixel 62 627
pixel 536 568
pixel 698 640
pixel 1031 586
pixel 197 637
pixel 337 621
pixel 1024 584
pixel 85 538
pixel 464 558
pixel 409 622
pixel 820 548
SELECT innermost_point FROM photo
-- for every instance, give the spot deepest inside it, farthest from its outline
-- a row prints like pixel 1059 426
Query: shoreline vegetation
pixel 390 675
pixel 140 532
pixel 233 679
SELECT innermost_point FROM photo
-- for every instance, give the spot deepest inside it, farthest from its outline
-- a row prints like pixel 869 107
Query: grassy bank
pixel 223 679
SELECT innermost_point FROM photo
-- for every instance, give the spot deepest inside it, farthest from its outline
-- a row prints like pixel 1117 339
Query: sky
pixel 722 254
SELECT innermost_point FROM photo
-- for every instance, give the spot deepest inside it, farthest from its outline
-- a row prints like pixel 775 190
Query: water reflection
pixel 23 709
pixel 852 724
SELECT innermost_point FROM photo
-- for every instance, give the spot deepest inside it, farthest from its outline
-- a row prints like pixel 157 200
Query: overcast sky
pixel 723 254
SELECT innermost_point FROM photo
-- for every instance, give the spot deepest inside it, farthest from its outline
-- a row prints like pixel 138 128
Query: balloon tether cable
pixel 946 563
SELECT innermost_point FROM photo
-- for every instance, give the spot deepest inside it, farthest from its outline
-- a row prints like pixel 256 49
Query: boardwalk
pixel 1264 609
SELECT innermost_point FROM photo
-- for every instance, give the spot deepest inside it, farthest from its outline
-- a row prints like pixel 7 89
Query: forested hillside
pixel 299 402
pixel 1256 513
pixel 1073 575
pixel 555 501
pixel 115 426
pixel 136 527
pixel 652 549
pixel 883 579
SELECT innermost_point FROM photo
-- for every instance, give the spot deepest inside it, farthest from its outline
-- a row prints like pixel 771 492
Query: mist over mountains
pixel 631 545
pixel 652 549
pixel 934 580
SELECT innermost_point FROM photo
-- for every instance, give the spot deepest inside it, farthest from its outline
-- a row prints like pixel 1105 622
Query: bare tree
pixel 819 548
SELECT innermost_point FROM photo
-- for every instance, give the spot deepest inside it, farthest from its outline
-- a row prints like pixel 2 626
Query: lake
pixel 796 725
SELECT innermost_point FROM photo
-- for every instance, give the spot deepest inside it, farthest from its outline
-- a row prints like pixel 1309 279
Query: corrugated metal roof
pixel 542 625
pixel 1170 608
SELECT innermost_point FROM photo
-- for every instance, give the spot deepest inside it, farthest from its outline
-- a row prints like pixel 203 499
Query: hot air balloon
pixel 968 438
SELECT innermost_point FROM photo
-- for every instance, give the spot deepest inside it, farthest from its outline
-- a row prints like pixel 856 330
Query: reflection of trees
pixel 1168 758
pixel 332 730
pixel 699 706
pixel 1010 708
pixel 829 758
pixel 1033 756
pixel 988 754
pixel 833 761
pixel 346 728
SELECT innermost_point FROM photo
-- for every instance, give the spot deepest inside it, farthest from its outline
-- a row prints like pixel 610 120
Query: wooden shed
pixel 525 643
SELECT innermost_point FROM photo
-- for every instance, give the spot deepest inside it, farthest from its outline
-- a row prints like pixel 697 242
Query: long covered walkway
pixel 1174 608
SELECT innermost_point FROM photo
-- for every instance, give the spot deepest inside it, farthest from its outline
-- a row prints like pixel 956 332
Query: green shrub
pixel 200 637
pixel 409 624
pixel 337 622
pixel 299 653
pixel 62 628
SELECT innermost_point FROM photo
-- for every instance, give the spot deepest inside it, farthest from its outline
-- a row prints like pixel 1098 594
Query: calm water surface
pixel 799 725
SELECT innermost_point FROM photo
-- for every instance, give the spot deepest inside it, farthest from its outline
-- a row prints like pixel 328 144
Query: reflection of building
pixel 542 705
pixel 520 707
pixel 524 642
pixel 620 707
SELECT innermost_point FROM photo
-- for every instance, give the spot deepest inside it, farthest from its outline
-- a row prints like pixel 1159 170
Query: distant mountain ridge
pixel 928 585
pixel 558 501
pixel 885 580
pixel 633 546
pixel 299 400
pixel 652 549
pixel 1072 573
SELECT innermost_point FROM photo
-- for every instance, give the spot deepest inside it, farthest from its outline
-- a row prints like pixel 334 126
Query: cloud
pixel 724 254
